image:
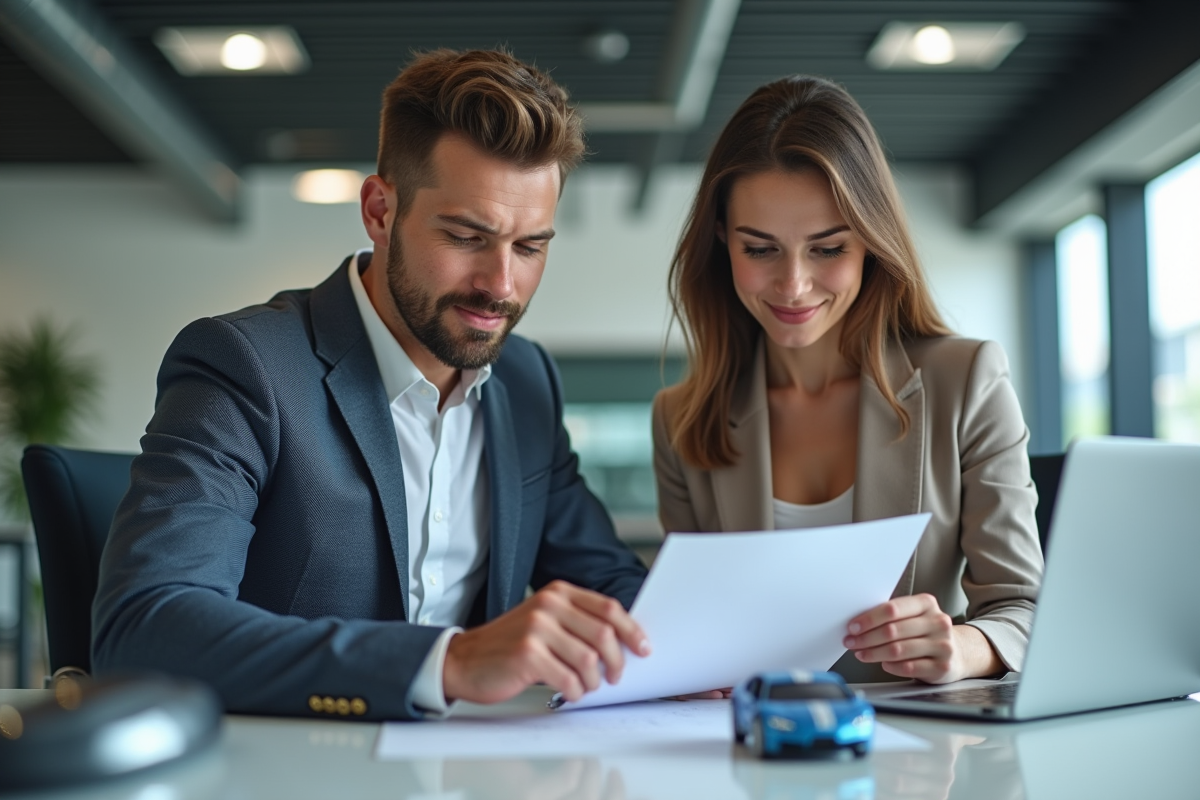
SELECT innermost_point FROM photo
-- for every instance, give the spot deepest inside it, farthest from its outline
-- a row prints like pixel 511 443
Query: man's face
pixel 465 260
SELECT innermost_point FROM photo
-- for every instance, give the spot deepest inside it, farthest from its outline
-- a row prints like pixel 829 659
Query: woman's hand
pixel 913 638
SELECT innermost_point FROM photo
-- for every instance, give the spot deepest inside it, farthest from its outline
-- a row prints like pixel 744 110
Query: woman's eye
pixel 830 252
pixel 755 252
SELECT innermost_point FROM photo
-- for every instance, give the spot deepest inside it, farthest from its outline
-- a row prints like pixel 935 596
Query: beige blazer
pixel 963 460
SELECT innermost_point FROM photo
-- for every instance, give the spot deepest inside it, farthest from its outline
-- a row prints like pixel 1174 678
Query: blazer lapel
pixel 357 390
pixel 890 470
pixel 504 474
pixel 743 491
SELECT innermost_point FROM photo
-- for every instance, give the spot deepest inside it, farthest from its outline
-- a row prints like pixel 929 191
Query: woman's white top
pixel 838 511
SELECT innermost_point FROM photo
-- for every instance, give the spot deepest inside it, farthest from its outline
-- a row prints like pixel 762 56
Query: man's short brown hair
pixel 508 109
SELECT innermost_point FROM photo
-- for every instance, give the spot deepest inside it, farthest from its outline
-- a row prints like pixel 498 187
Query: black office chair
pixel 1047 472
pixel 73 495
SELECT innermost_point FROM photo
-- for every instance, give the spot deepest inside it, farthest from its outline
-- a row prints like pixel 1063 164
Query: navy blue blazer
pixel 263 544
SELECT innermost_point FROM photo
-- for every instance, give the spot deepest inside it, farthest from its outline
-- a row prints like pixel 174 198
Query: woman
pixel 823 388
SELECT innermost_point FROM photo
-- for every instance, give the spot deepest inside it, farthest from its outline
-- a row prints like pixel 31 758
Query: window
pixel 615 454
pixel 607 414
pixel 1083 327
pixel 1173 233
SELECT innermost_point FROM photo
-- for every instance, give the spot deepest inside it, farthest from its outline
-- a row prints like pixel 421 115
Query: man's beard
pixel 423 315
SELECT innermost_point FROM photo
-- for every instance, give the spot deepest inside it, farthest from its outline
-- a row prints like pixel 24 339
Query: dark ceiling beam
pixel 695 49
pixel 74 47
pixel 699 37
pixel 1159 42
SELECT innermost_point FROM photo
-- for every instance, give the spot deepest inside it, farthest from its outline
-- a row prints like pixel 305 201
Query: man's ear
pixel 721 232
pixel 377 201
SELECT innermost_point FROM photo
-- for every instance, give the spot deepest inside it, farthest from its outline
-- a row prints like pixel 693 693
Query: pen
pixel 556 701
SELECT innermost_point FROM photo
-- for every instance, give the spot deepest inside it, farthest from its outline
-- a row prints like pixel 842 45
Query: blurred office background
pixel 152 160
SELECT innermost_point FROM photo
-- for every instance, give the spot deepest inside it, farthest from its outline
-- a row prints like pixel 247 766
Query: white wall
pixel 117 253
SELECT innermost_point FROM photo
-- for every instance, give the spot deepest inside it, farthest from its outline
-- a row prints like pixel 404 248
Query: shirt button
pixel 425 620
pixel 424 390
pixel 438 516
pixel 433 580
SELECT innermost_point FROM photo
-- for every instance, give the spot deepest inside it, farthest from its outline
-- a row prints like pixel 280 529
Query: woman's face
pixel 797 267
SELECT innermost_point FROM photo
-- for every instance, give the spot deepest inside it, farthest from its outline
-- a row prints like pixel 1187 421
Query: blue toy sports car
pixel 801 714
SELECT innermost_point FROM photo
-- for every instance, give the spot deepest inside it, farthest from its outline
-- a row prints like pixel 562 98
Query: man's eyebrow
pixel 467 222
pixel 474 225
pixel 762 235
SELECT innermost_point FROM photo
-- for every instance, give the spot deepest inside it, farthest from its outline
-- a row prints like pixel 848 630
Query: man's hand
pixel 564 636
pixel 913 638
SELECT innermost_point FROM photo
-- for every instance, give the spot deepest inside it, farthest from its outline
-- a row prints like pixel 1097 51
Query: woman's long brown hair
pixel 792 124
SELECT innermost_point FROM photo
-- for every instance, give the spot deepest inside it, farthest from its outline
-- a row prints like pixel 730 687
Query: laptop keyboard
pixel 996 694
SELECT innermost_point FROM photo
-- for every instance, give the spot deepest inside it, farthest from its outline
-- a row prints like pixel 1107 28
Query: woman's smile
pixel 794 316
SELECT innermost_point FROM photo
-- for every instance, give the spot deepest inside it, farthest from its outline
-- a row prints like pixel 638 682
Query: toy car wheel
pixel 738 736
pixel 756 740
pixel 860 749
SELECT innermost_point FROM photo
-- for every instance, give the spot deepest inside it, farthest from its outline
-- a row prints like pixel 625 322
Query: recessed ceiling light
pixel 243 51
pixel 933 45
pixel 206 50
pixel 944 45
pixel 327 186
pixel 606 46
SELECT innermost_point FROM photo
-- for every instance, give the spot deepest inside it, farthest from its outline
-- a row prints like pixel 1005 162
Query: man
pixel 337 481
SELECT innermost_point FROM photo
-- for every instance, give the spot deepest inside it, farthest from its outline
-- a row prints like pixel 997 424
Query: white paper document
pixel 719 607
pixel 654 729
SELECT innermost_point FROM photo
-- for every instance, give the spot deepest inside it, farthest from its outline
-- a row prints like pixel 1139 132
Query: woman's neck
pixel 812 369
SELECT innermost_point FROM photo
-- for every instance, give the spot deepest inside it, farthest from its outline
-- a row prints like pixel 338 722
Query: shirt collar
pixel 395 367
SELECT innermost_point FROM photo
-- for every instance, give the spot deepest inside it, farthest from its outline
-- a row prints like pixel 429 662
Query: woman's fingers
pixel 913 638
pixel 939 648
pixel 911 628
pixel 893 610
pixel 910 637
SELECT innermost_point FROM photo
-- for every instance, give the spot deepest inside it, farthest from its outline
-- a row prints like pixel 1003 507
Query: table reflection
pixel 1144 751
pixel 1141 751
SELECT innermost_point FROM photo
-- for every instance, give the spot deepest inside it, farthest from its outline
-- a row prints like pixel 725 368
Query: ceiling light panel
pixel 274 50
pixel 974 46
pixel 327 186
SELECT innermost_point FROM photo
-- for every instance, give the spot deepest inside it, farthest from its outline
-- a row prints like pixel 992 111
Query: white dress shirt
pixel 446 490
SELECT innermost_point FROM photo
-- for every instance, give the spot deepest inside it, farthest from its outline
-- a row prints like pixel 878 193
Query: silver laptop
pixel 1118 616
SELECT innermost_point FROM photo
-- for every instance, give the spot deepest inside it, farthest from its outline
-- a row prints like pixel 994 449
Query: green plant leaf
pixel 12 490
pixel 46 390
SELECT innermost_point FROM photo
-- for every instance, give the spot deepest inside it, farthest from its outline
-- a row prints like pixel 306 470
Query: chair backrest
pixel 73 495
pixel 1046 471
